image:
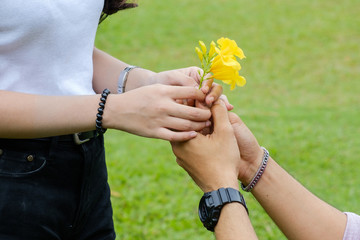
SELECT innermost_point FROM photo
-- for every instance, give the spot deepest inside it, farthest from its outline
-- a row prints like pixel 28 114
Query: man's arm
pixel 297 212
pixel 234 224
pixel 212 162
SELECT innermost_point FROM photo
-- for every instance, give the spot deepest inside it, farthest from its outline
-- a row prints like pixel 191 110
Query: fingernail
pixel 219 102
pixel 193 134
pixel 211 99
pixel 206 89
pixel 208 123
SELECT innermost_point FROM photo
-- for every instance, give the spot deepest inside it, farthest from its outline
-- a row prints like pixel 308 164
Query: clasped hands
pixel 153 109
pixel 223 155
pixel 223 149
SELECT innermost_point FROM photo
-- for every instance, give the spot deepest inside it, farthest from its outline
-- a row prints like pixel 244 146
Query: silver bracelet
pixel 123 78
pixel 259 172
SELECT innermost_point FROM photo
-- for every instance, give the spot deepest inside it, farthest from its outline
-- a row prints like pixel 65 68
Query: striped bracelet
pixel 259 172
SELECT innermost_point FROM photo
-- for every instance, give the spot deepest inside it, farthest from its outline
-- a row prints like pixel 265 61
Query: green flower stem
pixel 206 66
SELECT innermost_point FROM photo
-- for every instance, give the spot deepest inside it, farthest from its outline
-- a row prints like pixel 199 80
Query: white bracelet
pixel 123 78
pixel 258 174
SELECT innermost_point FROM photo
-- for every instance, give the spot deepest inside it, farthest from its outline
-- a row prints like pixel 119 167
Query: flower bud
pixel 199 53
pixel 212 49
pixel 203 47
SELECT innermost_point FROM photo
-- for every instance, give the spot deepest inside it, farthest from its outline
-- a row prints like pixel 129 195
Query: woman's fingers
pixel 189 113
pixel 179 124
pixel 178 77
pixel 174 136
pixel 179 92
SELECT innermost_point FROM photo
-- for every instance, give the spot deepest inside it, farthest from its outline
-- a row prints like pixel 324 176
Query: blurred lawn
pixel 301 101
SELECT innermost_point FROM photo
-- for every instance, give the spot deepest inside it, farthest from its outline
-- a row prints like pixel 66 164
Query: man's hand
pixel 212 160
pixel 250 151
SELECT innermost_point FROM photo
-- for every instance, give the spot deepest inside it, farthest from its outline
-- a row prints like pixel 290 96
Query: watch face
pixel 203 213
pixel 212 202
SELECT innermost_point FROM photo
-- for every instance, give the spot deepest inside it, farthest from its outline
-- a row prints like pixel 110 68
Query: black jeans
pixel 51 188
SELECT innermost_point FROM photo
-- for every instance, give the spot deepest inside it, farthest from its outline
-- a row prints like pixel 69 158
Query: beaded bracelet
pixel 99 116
pixel 259 172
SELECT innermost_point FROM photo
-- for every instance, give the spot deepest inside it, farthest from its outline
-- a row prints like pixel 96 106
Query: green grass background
pixel 301 101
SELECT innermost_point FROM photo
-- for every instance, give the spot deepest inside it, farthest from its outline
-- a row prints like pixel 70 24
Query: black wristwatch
pixel 212 202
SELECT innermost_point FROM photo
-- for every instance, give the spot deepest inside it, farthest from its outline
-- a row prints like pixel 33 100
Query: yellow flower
pixel 229 47
pixel 222 61
pixel 227 71
pixel 199 53
pixel 226 60
pixel 235 79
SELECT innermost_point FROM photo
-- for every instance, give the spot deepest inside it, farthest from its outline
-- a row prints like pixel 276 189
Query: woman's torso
pixel 46 45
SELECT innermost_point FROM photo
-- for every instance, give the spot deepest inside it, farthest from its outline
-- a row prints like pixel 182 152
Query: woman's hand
pixel 180 77
pixel 107 70
pixel 211 160
pixel 152 111
pixel 190 77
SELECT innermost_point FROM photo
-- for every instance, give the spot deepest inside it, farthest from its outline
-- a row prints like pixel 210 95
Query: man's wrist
pixel 211 205
pixel 221 184
pixel 251 168
pixel 234 223
pixel 255 179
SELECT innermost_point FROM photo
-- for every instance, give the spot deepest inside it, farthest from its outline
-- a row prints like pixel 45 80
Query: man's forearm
pixel 234 224
pixel 297 212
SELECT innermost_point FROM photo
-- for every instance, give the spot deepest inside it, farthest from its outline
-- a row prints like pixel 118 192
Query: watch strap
pixel 214 201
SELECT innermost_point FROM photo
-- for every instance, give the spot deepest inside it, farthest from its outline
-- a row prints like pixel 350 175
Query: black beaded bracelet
pixel 99 116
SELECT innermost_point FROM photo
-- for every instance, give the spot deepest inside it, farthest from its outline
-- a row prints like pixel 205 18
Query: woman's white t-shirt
pixel 46 46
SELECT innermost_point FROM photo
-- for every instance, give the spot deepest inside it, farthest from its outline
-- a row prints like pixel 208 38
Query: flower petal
pixel 229 47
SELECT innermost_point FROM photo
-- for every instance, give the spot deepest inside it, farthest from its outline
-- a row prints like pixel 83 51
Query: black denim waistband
pixel 76 138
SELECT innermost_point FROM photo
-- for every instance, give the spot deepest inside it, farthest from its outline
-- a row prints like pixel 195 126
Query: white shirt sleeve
pixel 352 231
